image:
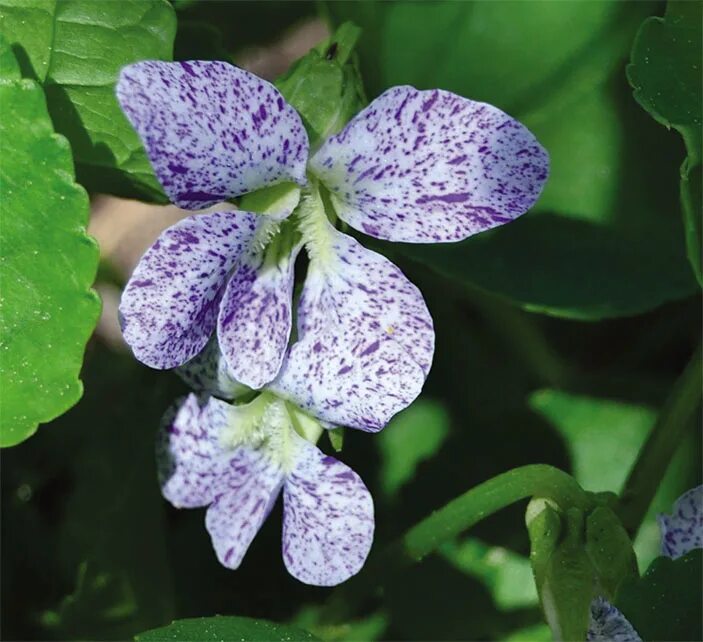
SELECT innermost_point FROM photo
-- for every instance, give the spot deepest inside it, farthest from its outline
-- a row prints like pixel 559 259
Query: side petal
pixel 430 167
pixel 212 131
pixel 608 624
pixel 170 304
pixel 328 519
pixel 682 531
pixel 253 483
pixel 208 373
pixel 255 318
pixel 191 465
pixel 365 340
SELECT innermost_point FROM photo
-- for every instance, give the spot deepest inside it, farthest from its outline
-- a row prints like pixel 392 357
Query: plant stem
pixel 458 515
pixel 657 452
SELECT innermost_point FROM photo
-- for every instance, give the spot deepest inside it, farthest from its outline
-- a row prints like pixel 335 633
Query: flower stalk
pixel 661 445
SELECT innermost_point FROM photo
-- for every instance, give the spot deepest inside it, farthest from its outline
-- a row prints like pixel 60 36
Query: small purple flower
pixel 681 532
pixel 236 459
pixel 414 166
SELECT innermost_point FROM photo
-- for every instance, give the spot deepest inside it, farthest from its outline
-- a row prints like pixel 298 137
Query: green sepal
pixel 610 550
pixel 336 437
pixel 563 571
pixel 543 522
pixel 324 86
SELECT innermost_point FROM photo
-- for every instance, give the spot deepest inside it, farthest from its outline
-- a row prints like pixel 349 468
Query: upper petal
pixel 430 166
pixel 328 518
pixel 170 304
pixel 212 131
pixel 253 484
pixel 682 531
pixel 365 340
pixel 192 466
pixel 255 317
pixel 608 624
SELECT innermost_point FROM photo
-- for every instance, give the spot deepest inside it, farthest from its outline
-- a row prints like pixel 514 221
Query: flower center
pixel 267 423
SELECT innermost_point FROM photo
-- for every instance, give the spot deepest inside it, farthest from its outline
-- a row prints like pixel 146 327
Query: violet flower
pixel 237 459
pixel 414 166
pixel 681 532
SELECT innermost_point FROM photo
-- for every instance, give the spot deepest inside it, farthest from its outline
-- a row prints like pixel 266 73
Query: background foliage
pixel 559 337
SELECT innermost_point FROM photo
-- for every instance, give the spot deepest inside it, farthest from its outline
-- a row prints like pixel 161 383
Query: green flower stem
pixel 657 452
pixel 458 515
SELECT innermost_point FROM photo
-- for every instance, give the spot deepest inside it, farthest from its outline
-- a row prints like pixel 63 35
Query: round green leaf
pixel 47 310
pixel 224 629
pixel 601 241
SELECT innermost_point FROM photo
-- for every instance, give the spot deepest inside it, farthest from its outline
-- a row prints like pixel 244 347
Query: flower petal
pixel 328 519
pixel 253 483
pixel 169 307
pixel 212 131
pixel 608 624
pixel 192 467
pixel 430 167
pixel 208 372
pixel 255 318
pixel 682 531
pixel 365 340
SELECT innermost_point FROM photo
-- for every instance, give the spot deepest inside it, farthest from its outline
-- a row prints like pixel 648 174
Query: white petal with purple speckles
pixel 253 484
pixel 608 624
pixel 430 166
pixel 212 131
pixel 255 318
pixel 328 519
pixel 682 531
pixel 365 339
pixel 169 307
pixel 192 468
pixel 208 372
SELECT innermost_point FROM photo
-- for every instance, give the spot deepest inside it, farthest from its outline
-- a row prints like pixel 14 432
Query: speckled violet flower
pixel 681 532
pixel 415 166
pixel 236 460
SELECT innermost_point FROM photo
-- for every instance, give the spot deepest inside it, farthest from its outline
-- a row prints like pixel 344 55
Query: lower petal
pixel 365 340
pixel 682 531
pixel 253 484
pixel 255 318
pixel 170 304
pixel 328 519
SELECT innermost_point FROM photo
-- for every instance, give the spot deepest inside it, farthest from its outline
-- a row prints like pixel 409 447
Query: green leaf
pixel 224 628
pixel 665 73
pixel 602 436
pixel 506 574
pixel 665 603
pixel 563 570
pixel 76 49
pixel 48 265
pixel 412 437
pixel 601 241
